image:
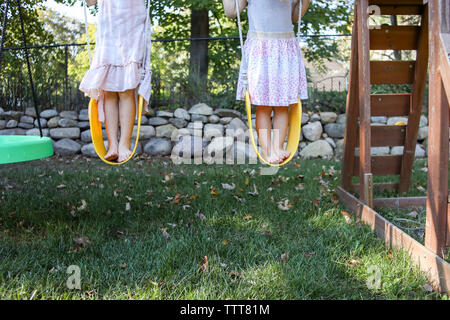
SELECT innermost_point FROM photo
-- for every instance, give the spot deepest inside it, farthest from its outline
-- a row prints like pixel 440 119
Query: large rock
pixel 67 123
pixel 53 122
pixel 213 119
pixel 313 131
pixel 165 131
pixel 25 125
pixel 314 117
pixel 2 124
pixel 83 125
pixel 61 133
pixel 11 124
pixel 157 121
pixel 181 113
pixel 199 117
pixel 146 132
pixel 244 153
pixel 36 132
pixel 158 147
pixel 423 133
pixel 31 111
pixel 305 119
pixel 86 135
pixel 43 122
pixel 13 132
pixel 419 153
pixel 67 147
pixel 236 127
pixel 225 120
pixel 379 120
pixel 144 120
pixel 189 147
pixel 219 146
pixel 178 122
pixel 339 150
pixel 49 113
pixel 328 117
pixel 69 115
pixel 331 142
pixel 164 114
pixel 2 113
pixel 317 149
pixel 12 115
pixel 221 112
pixel 89 150
pixel 393 120
pixel 335 130
pixel 423 121
pixel 212 131
pixel 201 109
pixel 84 115
pixel 341 119
pixel 27 119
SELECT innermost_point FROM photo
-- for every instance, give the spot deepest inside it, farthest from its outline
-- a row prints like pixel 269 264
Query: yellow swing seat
pixel 97 133
pixel 295 126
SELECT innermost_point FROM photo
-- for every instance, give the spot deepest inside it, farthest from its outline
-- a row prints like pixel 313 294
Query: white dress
pixel 121 41
pixel 272 57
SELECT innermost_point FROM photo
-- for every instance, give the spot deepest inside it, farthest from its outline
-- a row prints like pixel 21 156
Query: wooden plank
pixel 436 224
pixel 405 202
pixel 392 72
pixel 394 38
pixel 396 2
pixel 390 105
pixel 436 268
pixel 378 187
pixel 389 136
pixel 405 10
pixel 364 164
pixel 382 165
pixel 418 94
pixel 352 111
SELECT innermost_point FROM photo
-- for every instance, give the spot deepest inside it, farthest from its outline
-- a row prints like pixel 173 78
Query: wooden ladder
pixel 362 104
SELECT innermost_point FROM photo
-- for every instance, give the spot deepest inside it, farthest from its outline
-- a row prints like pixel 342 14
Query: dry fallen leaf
pixel 235 274
pixel 347 216
pixel 225 242
pixel 83 205
pixel 309 254
pixel 427 287
pixel 83 241
pixel 204 265
pixel 249 217
pixel 353 262
pixel 226 186
pixel 285 257
pixel 413 214
pixel 267 233
pixel 284 205
pixel 199 215
pixel 165 234
pixel 127 206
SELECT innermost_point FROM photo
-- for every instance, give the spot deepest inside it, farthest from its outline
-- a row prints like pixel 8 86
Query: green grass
pixel 46 204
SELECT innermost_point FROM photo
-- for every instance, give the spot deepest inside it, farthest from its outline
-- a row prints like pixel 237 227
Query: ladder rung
pixel 394 38
pixel 398 2
pixel 392 72
pixel 386 136
pixel 382 165
pixel 405 10
pixel 390 105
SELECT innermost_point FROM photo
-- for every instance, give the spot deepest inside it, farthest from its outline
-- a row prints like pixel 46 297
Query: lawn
pixel 154 230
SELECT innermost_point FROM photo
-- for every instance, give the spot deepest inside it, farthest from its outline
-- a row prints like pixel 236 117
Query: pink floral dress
pixel 272 57
pixel 121 42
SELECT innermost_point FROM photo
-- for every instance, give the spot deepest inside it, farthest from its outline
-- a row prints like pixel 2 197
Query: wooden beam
pixel 418 93
pixel 393 10
pixel 436 268
pixel 378 187
pixel 352 112
pixel 397 2
pixel 436 227
pixel 392 72
pixel 404 203
pixel 382 165
pixel 394 38
pixel 364 165
pixel 389 136
pixel 390 105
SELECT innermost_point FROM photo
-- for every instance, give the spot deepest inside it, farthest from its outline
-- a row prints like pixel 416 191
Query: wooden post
pixel 364 95
pixel 437 203
pixel 418 93
pixel 352 112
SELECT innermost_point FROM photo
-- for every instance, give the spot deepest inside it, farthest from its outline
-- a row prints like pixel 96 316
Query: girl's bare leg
pixel 112 124
pixel 280 126
pixel 264 129
pixel 127 117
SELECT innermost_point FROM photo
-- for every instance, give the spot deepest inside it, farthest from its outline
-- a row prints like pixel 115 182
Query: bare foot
pixel 283 154
pixel 124 153
pixel 112 154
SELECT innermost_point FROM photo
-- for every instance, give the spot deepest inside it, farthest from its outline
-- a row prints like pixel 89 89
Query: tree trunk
pixel 198 71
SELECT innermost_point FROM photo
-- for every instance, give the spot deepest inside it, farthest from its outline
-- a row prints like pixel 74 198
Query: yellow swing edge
pixel 97 134
pixel 295 126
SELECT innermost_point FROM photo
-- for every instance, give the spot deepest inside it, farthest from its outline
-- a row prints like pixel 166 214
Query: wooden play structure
pixel 431 41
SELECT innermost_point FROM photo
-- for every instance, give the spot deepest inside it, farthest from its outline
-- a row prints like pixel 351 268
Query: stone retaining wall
pixel 195 132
